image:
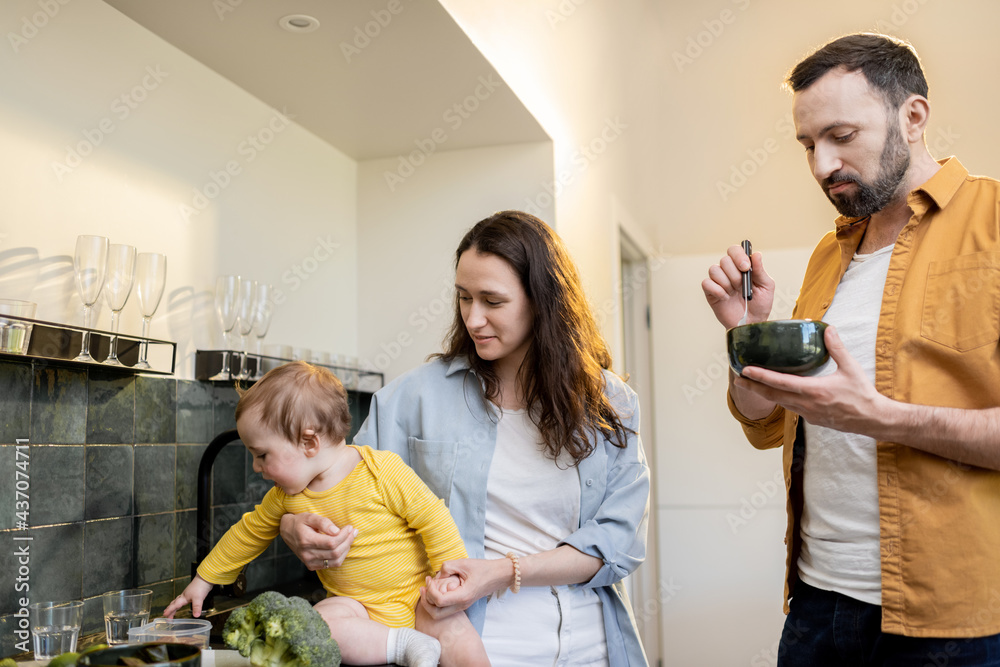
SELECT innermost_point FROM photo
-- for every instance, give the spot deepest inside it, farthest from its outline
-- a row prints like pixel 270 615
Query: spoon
pixel 747 284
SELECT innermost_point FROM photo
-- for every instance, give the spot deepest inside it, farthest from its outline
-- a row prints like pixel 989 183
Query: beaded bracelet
pixel 516 588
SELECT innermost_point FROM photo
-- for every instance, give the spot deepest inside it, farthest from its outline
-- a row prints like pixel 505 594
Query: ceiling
pixel 368 81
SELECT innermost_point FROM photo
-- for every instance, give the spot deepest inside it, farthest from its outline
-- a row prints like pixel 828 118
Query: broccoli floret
pixel 275 631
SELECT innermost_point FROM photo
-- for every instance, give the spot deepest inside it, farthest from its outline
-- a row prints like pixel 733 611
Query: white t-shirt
pixel 840 521
pixel 531 502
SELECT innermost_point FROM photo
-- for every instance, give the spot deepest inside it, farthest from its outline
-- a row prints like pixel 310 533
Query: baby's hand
pixel 194 594
pixel 443 584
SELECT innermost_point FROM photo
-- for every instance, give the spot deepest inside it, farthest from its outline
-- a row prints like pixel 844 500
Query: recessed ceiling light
pixel 299 23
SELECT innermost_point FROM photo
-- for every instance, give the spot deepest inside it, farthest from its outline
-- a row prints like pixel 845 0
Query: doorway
pixel 637 365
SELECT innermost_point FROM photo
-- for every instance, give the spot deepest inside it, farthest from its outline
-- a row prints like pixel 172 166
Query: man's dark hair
pixel 890 65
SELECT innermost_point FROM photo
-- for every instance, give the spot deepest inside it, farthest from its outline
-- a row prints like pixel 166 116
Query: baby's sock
pixel 406 646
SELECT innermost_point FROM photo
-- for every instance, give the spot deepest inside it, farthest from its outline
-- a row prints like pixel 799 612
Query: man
pixel 891 454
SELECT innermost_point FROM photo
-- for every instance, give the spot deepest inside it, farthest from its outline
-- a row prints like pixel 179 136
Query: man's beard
pixel 873 197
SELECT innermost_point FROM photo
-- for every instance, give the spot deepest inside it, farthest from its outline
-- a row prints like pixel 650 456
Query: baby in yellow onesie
pixel 294 422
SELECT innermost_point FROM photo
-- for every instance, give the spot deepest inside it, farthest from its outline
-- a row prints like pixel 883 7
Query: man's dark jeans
pixel 826 629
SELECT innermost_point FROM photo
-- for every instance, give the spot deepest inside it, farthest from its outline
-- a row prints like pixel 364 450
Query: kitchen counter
pixel 209 658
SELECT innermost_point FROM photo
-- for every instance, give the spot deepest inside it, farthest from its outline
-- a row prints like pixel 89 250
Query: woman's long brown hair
pixel 561 374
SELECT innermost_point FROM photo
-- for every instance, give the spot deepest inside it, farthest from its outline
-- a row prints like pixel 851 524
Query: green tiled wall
pixel 113 463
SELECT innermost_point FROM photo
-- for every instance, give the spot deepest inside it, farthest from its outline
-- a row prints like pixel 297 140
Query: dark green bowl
pixel 156 654
pixel 786 346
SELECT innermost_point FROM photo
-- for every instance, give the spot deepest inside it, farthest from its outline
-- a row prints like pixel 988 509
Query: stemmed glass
pixel 247 309
pixel 90 263
pixel 227 293
pixel 117 288
pixel 150 279
pixel 262 322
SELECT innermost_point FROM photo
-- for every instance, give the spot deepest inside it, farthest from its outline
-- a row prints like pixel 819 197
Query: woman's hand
pixel 317 542
pixel 462 582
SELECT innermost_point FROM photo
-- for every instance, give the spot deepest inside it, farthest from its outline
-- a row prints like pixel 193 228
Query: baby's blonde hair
pixel 298 396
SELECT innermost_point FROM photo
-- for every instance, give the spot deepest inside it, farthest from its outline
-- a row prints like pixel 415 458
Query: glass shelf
pixel 60 343
pixel 207 363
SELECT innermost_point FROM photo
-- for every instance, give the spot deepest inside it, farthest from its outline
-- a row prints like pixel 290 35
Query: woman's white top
pixel 532 504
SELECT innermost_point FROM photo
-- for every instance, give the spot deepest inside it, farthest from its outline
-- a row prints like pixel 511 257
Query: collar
pixel 938 190
pixel 459 363
pixel 941 187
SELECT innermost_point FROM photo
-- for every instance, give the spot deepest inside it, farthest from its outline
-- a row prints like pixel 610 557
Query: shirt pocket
pixel 962 301
pixel 434 462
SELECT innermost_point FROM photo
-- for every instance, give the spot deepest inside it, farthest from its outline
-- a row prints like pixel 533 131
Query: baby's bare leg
pixel 461 645
pixel 362 640
pixel 367 642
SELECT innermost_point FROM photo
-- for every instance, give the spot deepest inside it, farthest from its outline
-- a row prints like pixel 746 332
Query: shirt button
pixel 590 482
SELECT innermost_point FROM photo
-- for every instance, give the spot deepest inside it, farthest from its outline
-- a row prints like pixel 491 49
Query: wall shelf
pixel 59 344
pixel 208 363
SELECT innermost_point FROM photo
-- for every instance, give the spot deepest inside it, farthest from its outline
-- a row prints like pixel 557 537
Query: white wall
pixel 721 502
pixel 408 234
pixel 106 129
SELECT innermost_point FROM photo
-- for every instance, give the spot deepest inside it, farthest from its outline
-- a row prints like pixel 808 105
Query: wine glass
pixel 262 322
pixel 247 310
pixel 90 264
pixel 117 288
pixel 227 293
pixel 150 279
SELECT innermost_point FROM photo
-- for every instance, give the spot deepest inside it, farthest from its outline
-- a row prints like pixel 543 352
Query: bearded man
pixel 891 454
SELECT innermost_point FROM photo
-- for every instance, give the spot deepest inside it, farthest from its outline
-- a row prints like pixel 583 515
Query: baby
pixel 294 422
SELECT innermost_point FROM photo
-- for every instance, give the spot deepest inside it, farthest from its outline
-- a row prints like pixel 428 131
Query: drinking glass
pixel 150 279
pixel 123 610
pixel 227 293
pixel 262 322
pixel 90 263
pixel 247 312
pixel 55 627
pixel 15 333
pixel 117 288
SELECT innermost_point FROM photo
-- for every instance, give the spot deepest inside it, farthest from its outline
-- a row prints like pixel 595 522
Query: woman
pixel 533 443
